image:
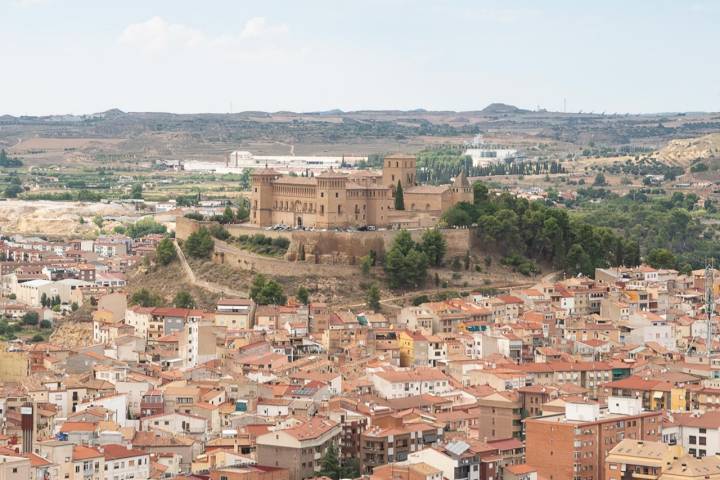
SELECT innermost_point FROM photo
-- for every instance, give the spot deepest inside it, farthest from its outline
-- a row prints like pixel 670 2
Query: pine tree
pixel 373 298
pixel 330 463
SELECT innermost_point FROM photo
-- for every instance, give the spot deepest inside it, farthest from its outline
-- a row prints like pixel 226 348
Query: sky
pixel 614 56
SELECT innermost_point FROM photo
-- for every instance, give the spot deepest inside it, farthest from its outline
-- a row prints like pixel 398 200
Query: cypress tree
pixel 399 200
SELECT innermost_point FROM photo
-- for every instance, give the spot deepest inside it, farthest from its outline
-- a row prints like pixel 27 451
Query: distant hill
pixel 685 151
pixel 112 113
pixel 502 109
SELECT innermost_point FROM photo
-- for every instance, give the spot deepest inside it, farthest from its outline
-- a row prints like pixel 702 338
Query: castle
pixel 335 199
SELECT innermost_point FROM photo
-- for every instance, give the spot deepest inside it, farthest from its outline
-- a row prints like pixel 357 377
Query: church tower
pixel 399 167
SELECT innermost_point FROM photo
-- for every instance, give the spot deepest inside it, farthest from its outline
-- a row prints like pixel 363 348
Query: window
pixel 702 440
pixel 692 440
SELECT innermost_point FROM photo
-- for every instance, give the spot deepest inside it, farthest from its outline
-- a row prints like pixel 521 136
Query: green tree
pixel 183 299
pixel 145 226
pixel 243 212
pixel 599 180
pixel 405 264
pixel 228 215
pixel 44 300
pixel 365 265
pixel 578 261
pixel 98 220
pixel 219 232
pixel 303 295
pixel 399 197
pixel 145 298
pixel 30 318
pixel 45 324
pixel 709 206
pixel 480 193
pixel 403 242
pixel 457 217
pixel 330 464
pixel 136 191
pixel 267 292
pixel 165 252
pixel 434 245
pixel 631 257
pixel 199 244
pixel 351 468
pixel 74 306
pixel 373 298
pixel 661 258
pixel 13 190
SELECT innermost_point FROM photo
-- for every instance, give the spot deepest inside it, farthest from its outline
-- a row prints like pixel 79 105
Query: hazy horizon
pixel 83 57
pixel 329 112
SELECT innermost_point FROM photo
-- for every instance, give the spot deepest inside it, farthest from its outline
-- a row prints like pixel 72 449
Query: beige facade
pixel 14 468
pixel 299 449
pixel 335 199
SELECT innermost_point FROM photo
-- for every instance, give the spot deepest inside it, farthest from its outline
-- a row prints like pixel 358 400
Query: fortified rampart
pixel 322 253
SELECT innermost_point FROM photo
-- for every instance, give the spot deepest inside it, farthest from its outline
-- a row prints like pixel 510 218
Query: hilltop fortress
pixel 335 199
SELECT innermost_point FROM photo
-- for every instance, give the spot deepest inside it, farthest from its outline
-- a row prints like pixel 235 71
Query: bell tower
pixel 399 167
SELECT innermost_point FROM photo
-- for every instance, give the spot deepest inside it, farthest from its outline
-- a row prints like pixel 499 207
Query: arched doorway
pixel 299 222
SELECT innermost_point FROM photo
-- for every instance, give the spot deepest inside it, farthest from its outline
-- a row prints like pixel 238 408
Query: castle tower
pixel 399 167
pixel 331 200
pixel 261 198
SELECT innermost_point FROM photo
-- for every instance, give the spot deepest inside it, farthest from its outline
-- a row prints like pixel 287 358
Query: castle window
pixel 322 194
pixel 255 189
pixel 339 209
pixel 322 209
pixel 337 195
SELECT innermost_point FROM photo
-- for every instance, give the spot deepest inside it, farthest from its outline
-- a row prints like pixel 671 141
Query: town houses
pixel 576 378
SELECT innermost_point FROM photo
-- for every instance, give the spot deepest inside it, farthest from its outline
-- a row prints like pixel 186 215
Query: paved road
pixel 211 287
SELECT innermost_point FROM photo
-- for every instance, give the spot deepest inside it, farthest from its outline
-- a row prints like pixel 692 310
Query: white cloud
pixel 157 35
pixel 259 27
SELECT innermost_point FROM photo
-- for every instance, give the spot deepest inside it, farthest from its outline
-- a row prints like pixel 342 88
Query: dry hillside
pixel 685 152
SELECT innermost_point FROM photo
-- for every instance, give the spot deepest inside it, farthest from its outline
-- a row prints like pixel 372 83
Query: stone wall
pixel 236 257
pixel 320 248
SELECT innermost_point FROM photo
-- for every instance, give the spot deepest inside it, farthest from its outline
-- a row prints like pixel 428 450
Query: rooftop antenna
pixel 709 302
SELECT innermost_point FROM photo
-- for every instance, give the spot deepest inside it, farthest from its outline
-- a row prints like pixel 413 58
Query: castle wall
pixel 326 253
pixel 348 245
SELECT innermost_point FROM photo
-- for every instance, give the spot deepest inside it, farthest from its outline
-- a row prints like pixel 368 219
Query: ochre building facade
pixel 336 199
